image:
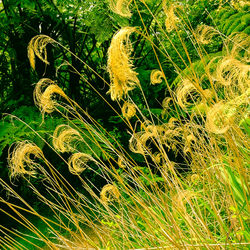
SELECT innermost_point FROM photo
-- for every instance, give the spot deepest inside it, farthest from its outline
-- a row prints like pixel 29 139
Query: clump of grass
pixel 206 208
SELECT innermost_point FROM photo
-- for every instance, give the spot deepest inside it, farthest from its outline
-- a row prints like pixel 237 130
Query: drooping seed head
pixel 204 33
pixel 123 77
pixel 185 92
pixel 37 47
pixel 44 93
pixel 136 144
pixel 156 76
pixel 218 119
pixel 128 110
pixel 121 7
pixel 122 162
pixel 78 162
pixel 171 18
pixel 109 193
pixel 65 137
pixel 21 159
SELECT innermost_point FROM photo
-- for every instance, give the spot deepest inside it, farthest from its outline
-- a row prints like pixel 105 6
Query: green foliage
pixel 230 21
pixel 27 126
pixel 26 123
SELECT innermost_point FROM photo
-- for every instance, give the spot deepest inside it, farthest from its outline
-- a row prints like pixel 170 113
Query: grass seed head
pixel 121 7
pixel 63 138
pixel 186 91
pixel 78 162
pixel 205 33
pixel 217 121
pixel 37 47
pixel 171 18
pixel 44 92
pixel 156 76
pixel 123 77
pixel 232 74
pixel 20 160
pixel 109 193
pixel 136 143
pixel 128 110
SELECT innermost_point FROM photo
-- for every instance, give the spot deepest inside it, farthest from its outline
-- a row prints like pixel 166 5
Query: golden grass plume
pixel 218 119
pixel 189 95
pixel 205 34
pixel 109 193
pixel 78 162
pixel 224 115
pixel 185 91
pixel 233 73
pixel 121 7
pixel 64 138
pixel 122 162
pixel 171 18
pixel 37 47
pixel 128 110
pixel 44 92
pixel 136 144
pixel 156 76
pixel 20 160
pixel 123 77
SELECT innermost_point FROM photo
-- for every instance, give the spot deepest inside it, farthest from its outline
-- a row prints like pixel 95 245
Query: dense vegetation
pixel 125 124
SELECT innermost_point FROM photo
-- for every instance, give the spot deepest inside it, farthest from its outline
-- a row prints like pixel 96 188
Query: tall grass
pixel 206 207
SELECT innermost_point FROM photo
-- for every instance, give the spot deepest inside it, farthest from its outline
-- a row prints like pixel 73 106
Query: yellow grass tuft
pixel 219 118
pixel 123 77
pixel 205 34
pixel 222 115
pixel 185 93
pixel 37 47
pixel 78 162
pixel 135 143
pixel 128 110
pixel 44 92
pixel 122 162
pixel 171 18
pixel 20 160
pixel 156 76
pixel 121 7
pixel 63 138
pixel 232 72
pixel 109 193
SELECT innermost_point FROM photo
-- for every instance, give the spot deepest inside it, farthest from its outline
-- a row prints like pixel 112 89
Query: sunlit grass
pixel 201 202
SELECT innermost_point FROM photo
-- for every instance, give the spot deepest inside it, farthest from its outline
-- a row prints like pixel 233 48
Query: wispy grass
pixel 207 207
